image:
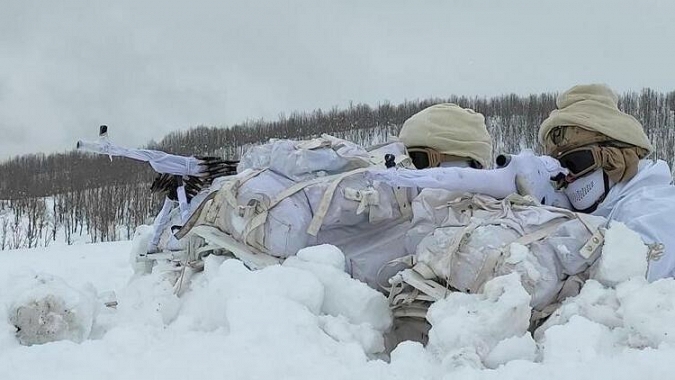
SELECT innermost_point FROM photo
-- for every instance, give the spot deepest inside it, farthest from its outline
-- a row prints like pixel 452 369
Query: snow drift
pixel 308 319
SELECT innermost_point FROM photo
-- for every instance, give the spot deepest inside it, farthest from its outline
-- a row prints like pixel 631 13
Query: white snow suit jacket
pixel 646 204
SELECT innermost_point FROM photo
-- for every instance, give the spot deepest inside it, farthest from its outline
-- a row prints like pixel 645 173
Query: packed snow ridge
pixel 308 319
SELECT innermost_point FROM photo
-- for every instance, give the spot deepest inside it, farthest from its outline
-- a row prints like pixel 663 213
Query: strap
pixel 486 270
pixel 252 258
pixel 401 194
pixel 397 297
pixel 541 233
pixel 366 197
pixel 411 311
pixel 596 240
pixel 231 189
pixel 457 242
pixel 322 210
pixel 408 261
pixel 492 259
pixel 429 287
pixel 261 218
pixel 194 218
pixel 228 194
pixel 425 271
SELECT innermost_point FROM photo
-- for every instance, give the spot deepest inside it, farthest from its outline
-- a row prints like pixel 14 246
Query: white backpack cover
pixel 292 194
pixel 460 241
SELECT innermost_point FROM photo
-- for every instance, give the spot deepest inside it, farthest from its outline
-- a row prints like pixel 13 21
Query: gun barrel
pixel 93 147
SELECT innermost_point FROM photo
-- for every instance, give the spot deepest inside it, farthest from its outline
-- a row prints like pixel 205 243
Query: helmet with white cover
pixel 447 132
pixel 598 143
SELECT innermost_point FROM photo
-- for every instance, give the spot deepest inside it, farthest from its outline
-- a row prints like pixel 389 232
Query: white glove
pixel 533 178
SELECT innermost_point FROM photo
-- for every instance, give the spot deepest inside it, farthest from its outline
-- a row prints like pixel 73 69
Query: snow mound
pixel 578 340
pixel 467 328
pixel 48 310
pixel 624 256
pixel 230 296
pixel 634 315
pixel 648 311
pixel 308 293
pixel 324 254
pixel 618 305
pixel 272 323
pixel 344 296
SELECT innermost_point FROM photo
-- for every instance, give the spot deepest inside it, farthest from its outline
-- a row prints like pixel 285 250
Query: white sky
pixel 147 68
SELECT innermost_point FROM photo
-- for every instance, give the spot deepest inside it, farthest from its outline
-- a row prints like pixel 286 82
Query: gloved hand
pixel 533 178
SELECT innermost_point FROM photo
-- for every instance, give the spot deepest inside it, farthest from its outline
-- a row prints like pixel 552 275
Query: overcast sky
pixel 147 68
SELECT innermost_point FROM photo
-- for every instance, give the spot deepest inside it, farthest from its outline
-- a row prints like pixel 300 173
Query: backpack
pixel 461 241
pixel 292 194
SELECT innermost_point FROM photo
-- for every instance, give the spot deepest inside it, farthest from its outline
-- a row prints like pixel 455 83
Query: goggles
pixel 581 161
pixel 423 158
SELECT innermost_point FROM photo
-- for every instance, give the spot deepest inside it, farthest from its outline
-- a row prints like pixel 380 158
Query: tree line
pixel 62 196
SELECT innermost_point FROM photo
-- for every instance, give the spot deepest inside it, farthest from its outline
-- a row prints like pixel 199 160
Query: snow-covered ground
pixel 307 320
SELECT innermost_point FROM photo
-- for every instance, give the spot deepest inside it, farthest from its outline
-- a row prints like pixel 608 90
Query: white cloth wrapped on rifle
pixel 161 162
pixel 525 173
pixel 201 169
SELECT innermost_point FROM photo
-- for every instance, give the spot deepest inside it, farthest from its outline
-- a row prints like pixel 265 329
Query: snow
pixel 48 309
pixel 614 266
pixel 477 323
pixel 306 319
pixel 344 296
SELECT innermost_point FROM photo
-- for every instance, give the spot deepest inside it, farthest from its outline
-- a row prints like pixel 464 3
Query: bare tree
pixel 93 195
pixel 4 225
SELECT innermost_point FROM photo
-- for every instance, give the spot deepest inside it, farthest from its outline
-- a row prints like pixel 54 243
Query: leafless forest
pixel 61 196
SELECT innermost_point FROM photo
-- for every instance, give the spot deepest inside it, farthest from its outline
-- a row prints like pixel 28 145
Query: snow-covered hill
pixel 306 320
